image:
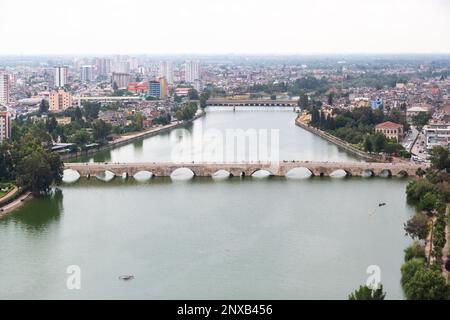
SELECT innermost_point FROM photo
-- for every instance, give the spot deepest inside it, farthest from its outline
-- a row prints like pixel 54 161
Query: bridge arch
pixel 105 176
pixel 70 176
pixel 402 174
pixel 340 173
pixel 385 173
pixel 182 173
pixel 367 173
pixel 261 173
pixel 221 174
pixel 143 175
pixel 299 173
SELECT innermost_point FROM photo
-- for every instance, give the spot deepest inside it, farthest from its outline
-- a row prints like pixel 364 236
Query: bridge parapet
pixel 281 168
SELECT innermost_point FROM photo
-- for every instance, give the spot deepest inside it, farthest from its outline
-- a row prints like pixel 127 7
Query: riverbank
pixel 340 143
pixel 13 205
pixel 129 138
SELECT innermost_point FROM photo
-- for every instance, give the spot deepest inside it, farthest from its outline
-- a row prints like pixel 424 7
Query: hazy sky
pixel 224 26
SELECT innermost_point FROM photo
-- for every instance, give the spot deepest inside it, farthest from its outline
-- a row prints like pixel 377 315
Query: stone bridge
pixel 281 168
pixel 251 103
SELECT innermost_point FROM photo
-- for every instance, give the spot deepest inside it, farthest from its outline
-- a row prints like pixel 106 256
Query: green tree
pixel 139 121
pixel 366 293
pixel 426 284
pixel 177 99
pixel 421 119
pixel 100 130
pixel 417 226
pixel 6 162
pixel 303 101
pixel 440 158
pixel 78 115
pixel 415 250
pixel 330 98
pixel 91 110
pixel 43 106
pixel 428 202
pixel 37 169
pixel 368 144
pixel 379 142
pixel 410 267
pixel 193 94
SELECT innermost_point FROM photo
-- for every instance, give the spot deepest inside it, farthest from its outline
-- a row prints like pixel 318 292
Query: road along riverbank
pixel 129 138
pixel 340 143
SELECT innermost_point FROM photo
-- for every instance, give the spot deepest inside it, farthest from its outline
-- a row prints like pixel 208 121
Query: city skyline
pixel 303 27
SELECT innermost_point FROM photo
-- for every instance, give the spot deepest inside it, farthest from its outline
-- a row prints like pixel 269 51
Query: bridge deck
pixel 237 169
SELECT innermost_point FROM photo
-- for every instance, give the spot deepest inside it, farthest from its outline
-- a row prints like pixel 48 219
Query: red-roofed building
pixel 391 130
pixel 138 87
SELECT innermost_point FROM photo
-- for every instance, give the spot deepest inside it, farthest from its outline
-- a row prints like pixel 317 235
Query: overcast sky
pixel 224 26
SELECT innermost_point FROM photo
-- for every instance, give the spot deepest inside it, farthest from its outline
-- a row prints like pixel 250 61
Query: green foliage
pixel 203 98
pixel 139 121
pixel 91 110
pixel 417 226
pixel 426 284
pixel 428 202
pixel 421 119
pixel 366 293
pixel 43 106
pixel 416 190
pixel 415 250
pixel 193 94
pixel 36 169
pixel 410 267
pixel 439 237
pixel 164 118
pixel 440 158
pixel 100 130
pixel 186 112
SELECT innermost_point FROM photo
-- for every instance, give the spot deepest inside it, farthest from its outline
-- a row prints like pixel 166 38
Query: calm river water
pixel 273 238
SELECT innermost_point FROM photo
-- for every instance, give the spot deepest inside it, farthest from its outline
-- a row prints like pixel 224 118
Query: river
pixel 273 238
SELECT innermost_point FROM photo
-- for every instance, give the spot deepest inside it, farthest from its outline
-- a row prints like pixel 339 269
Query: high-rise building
pixel 166 71
pixel 158 88
pixel 154 89
pixel 192 71
pixel 133 63
pixel 60 76
pixel 5 126
pixel 103 66
pixel 87 73
pixel 5 88
pixel 59 100
pixel 120 79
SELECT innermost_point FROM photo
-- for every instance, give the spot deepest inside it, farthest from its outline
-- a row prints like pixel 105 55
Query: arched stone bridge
pixel 281 168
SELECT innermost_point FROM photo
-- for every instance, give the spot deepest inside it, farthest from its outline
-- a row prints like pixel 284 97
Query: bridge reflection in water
pixel 281 168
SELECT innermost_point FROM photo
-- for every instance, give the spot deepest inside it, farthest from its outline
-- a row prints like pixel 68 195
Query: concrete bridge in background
pixel 251 103
pixel 281 168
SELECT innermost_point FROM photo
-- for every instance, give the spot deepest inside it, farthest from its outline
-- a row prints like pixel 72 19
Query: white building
pixel 61 76
pixel 87 73
pixel 103 66
pixel 5 88
pixel 5 126
pixel 192 71
pixel 166 71
pixel 437 134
